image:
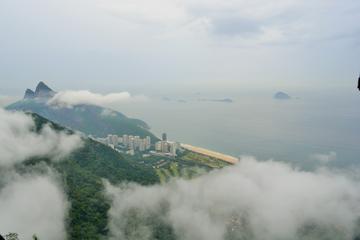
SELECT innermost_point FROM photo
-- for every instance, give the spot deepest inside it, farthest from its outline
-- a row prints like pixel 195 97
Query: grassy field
pixel 187 165
pixel 208 161
pixel 173 170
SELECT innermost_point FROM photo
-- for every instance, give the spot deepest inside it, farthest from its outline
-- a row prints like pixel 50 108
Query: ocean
pixel 308 130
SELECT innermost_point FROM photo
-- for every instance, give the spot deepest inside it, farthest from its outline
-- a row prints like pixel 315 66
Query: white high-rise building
pixel 142 145
pixel 131 142
pixel 137 142
pixel 173 147
pixel 148 142
pixel 164 147
pixel 125 140
pixel 108 139
pixel 158 146
pixel 131 145
pixel 114 140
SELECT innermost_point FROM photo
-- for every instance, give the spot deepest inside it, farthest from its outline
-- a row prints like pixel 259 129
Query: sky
pixel 117 49
pixel 140 45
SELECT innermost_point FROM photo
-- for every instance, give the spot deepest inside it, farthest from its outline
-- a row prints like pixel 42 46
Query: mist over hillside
pixel 102 194
pixel 81 111
pixel 179 120
pixel 252 200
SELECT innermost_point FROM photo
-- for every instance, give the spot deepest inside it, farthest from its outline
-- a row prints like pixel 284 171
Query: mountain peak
pixel 43 91
pixel 42 87
pixel 29 94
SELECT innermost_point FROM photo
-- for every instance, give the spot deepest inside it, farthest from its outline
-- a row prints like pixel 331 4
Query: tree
pixel 12 236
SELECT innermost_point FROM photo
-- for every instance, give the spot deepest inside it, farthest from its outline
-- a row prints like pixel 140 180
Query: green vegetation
pixel 174 171
pixel 162 176
pixel 12 236
pixel 89 119
pixel 15 236
pixel 208 161
pixel 83 173
pixel 85 169
pixel 186 165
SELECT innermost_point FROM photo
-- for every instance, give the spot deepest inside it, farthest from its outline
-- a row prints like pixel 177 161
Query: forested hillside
pixel 84 171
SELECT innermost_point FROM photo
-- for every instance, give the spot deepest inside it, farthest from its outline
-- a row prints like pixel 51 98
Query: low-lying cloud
pixel 19 141
pixel 324 158
pixel 72 98
pixel 251 200
pixel 108 113
pixel 33 205
pixel 32 202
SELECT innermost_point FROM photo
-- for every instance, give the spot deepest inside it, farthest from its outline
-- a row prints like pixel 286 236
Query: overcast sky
pixel 115 45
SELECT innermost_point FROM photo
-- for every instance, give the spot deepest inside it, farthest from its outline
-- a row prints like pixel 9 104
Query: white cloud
pixel 323 157
pixel 281 21
pixel 30 202
pixel 159 11
pixel 19 142
pixel 174 11
pixel 255 200
pixel 33 205
pixel 72 98
pixel 187 41
pixel 108 113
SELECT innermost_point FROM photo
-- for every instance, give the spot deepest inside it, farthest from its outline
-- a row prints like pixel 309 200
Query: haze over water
pixel 316 122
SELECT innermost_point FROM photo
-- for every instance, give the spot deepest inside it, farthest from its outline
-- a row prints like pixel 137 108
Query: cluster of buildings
pixel 128 142
pixel 166 147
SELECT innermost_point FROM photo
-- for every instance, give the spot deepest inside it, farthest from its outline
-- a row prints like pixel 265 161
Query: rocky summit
pixel 29 94
pixel 41 91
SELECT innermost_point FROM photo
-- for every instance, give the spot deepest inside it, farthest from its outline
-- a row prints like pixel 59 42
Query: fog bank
pixel 32 202
pixel 33 205
pixel 252 200
pixel 19 141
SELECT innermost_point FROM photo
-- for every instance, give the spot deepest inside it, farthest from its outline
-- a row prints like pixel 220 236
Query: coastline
pixel 210 153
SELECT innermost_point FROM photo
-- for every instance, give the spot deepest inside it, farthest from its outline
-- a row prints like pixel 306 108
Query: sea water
pixel 295 130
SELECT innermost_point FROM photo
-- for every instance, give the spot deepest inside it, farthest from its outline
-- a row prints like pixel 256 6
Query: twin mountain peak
pixel 41 91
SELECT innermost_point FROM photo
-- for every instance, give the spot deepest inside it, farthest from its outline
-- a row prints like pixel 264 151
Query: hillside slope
pixel 83 173
pixel 89 119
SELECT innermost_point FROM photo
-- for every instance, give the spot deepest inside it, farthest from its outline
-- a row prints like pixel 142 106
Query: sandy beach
pixel 207 152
